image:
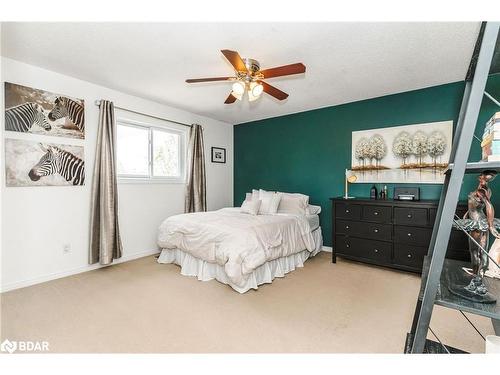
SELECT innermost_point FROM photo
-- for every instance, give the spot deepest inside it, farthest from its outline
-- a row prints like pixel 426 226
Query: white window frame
pixel 181 179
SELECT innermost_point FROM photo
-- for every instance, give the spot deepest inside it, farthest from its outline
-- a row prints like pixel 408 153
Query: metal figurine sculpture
pixel 479 225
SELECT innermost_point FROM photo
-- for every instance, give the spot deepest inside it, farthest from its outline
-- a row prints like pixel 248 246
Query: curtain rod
pixel 98 103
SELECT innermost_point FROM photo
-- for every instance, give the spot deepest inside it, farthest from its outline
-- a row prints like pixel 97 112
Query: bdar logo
pixel 24 346
pixel 8 346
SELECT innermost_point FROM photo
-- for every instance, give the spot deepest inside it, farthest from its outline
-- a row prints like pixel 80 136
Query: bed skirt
pixel 264 274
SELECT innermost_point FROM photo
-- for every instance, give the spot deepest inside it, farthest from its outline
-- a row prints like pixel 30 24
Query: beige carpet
pixel 143 306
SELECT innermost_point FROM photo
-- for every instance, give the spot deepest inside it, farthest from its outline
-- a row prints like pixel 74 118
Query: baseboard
pixel 327 249
pixel 73 271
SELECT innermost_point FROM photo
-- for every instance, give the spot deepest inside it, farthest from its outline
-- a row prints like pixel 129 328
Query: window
pixel 150 153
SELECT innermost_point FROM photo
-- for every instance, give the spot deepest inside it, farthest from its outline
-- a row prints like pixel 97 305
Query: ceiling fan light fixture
pixel 256 89
pixel 237 95
pixel 238 88
pixel 251 97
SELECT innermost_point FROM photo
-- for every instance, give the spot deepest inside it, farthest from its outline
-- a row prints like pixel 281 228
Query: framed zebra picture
pixel 36 111
pixel 30 163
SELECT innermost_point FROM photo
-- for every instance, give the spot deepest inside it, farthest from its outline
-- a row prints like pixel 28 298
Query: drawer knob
pixel 347 245
pixel 346 211
pixel 375 213
pixel 347 227
pixel 409 255
pixel 376 250
pixel 409 216
pixel 409 234
pixel 375 230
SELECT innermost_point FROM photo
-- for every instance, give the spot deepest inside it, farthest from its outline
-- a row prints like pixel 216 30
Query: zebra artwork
pixel 36 111
pixel 57 160
pixel 66 107
pixel 22 117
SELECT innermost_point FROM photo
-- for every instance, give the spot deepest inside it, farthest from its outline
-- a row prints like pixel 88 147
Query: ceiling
pixel 345 61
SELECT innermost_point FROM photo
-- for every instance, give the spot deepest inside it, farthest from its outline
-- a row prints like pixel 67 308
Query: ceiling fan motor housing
pixel 252 65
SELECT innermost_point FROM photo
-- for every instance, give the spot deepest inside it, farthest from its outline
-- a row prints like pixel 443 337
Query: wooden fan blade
pixel 273 91
pixel 234 58
pixel 230 99
pixel 284 70
pixel 197 80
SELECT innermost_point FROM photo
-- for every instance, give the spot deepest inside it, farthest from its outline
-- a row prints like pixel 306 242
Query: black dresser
pixel 389 233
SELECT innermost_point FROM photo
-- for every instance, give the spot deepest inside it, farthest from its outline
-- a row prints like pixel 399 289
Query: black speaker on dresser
pixel 389 233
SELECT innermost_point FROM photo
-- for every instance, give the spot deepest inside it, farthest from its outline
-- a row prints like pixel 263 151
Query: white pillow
pixel 270 202
pixel 255 194
pixel 293 203
pixel 313 210
pixel 251 207
pixel 275 202
pixel 248 196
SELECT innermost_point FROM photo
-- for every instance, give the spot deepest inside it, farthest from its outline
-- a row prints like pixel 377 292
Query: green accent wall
pixel 308 152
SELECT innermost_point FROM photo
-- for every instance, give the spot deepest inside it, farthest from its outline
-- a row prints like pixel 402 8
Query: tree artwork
pixel 408 153
pixel 419 146
pixel 402 146
pixel 378 148
pixel 361 151
pixel 436 145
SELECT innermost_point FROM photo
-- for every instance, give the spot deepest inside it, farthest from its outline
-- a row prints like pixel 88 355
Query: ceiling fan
pixel 249 78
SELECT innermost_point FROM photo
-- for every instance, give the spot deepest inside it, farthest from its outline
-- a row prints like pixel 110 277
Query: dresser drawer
pixel 350 228
pixel 463 255
pixel 458 240
pixel 377 251
pixel 347 211
pixel 409 256
pixel 410 216
pixel 380 214
pixel 374 231
pixel 432 215
pixel 347 245
pixel 377 231
pixel 412 235
pixel 461 210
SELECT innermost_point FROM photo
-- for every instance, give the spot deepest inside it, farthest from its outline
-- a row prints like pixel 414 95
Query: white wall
pixel 38 221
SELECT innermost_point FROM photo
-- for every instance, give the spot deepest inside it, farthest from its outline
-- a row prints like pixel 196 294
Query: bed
pixel 238 249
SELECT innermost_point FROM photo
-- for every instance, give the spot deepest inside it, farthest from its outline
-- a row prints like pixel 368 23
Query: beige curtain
pixel 105 242
pixel 196 189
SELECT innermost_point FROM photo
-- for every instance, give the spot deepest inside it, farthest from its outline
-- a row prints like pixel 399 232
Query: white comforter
pixel 239 242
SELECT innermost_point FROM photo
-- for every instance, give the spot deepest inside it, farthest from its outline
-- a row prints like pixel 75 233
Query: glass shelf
pixel 452 270
pixel 478 167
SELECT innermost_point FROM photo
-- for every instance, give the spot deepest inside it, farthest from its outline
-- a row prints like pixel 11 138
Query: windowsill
pixel 146 181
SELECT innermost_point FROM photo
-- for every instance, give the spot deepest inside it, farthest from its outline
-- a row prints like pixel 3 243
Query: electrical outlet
pixel 67 248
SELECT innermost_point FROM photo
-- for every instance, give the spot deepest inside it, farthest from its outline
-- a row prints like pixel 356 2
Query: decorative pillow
pixel 251 207
pixel 313 210
pixel 248 196
pixel 270 202
pixel 293 203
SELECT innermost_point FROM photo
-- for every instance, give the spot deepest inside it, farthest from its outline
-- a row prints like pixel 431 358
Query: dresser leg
pixel 334 257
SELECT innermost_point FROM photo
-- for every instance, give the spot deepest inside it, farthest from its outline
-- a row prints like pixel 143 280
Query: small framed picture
pixel 218 155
